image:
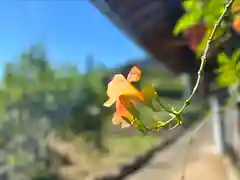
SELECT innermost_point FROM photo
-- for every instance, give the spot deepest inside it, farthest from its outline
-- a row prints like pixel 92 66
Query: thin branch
pixel 204 56
pixel 199 76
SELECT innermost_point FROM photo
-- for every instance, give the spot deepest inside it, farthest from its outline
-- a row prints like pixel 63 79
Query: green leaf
pixel 238 70
pixel 227 79
pixel 223 59
pixel 236 56
pixel 213 10
pixel 149 93
pixel 188 20
pixel 189 4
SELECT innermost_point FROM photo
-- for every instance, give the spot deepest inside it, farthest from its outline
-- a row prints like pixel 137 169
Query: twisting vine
pixel 177 114
pixel 204 56
pixel 199 75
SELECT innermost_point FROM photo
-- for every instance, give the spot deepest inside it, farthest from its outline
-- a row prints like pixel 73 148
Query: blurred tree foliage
pixel 37 99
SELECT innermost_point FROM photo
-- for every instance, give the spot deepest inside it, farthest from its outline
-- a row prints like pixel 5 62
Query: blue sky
pixel 70 30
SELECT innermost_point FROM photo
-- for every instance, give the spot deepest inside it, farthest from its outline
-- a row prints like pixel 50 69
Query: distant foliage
pixel 37 99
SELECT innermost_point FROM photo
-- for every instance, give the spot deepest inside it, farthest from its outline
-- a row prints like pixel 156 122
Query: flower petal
pixel 116 119
pixel 131 92
pixel 126 101
pixel 134 74
pixel 124 124
pixel 122 112
pixel 117 84
pixel 109 102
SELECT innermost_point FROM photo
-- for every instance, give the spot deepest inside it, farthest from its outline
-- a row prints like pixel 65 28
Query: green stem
pixel 204 56
pixel 166 108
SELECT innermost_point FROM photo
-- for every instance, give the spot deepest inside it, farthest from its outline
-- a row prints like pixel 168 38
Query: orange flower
pixel 236 24
pixel 123 93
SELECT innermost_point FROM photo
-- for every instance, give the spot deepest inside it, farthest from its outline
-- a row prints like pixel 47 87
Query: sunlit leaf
pixel 187 20
pixel 238 70
pixel 223 59
pixel 236 56
pixel 149 93
pixel 213 10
